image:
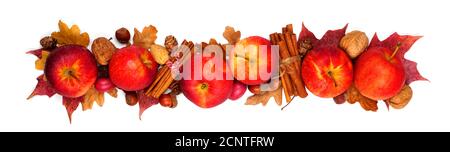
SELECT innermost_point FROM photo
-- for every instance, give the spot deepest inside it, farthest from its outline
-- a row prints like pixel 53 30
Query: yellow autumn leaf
pixel 91 96
pixel 70 35
pixel 40 63
pixel 146 38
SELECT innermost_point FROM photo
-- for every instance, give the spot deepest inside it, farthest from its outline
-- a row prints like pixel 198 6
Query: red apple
pixel 237 91
pixel 132 68
pixel 379 73
pixel 71 70
pixel 249 64
pixel 103 84
pixel 327 71
pixel 206 93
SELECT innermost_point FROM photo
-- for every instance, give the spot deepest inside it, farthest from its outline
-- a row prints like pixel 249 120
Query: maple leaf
pixel 91 96
pixel 71 105
pixel 37 53
pixel 332 37
pixel 306 35
pixel 403 43
pixel 145 102
pixel 70 35
pixel 42 88
pixel 264 97
pixel 146 38
pixel 231 35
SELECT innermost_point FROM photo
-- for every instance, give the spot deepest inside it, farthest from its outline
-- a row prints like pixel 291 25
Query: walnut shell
pixel 354 43
pixel 159 53
pixel 103 49
pixel 400 100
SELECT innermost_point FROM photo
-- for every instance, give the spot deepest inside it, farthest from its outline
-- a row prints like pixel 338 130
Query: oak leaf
pixel 264 97
pixel 146 38
pixel 231 35
pixel 91 96
pixel 70 35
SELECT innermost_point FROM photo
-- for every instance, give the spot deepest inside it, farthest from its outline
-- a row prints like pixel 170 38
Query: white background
pixel 23 23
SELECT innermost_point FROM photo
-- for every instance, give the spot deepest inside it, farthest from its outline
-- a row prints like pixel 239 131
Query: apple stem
pixel 70 72
pixel 331 75
pixel 395 51
pixel 203 86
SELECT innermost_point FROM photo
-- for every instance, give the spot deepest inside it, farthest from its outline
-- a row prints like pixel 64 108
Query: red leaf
pixel 404 43
pixel 332 37
pixel 387 104
pixel 412 74
pixel 375 41
pixel 305 34
pixel 37 53
pixel 42 88
pixel 340 99
pixel 145 102
pixel 71 105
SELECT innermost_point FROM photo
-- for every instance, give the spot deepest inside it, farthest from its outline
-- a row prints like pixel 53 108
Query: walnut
pixel 159 53
pixel 400 100
pixel 103 50
pixel 48 43
pixel 354 43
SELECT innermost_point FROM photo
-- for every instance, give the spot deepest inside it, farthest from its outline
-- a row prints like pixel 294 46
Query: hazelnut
pixel 123 35
pixel 354 43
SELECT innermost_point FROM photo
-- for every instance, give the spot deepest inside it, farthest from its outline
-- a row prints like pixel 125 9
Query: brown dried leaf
pixel 352 95
pixel 70 35
pixel 146 38
pixel 368 104
pixel 113 92
pixel 231 35
pixel 264 97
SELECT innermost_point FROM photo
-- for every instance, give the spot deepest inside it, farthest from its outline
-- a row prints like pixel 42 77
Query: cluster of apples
pixel 72 70
pixel 327 71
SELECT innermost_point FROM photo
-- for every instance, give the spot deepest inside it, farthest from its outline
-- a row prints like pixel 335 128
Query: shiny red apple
pixel 103 85
pixel 71 70
pixel 327 71
pixel 132 68
pixel 206 92
pixel 237 91
pixel 251 64
pixel 379 73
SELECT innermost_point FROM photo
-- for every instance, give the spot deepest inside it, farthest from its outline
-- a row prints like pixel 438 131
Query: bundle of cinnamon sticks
pixel 290 64
pixel 164 76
